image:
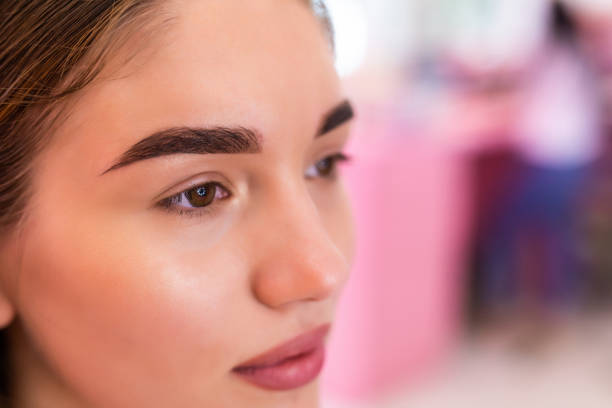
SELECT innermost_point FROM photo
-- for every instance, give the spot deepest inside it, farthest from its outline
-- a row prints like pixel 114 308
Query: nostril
pixel 307 264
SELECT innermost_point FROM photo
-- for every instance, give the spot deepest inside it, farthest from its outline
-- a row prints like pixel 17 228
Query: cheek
pixel 99 299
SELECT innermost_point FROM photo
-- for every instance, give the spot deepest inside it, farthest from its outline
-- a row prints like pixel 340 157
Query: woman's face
pixel 144 279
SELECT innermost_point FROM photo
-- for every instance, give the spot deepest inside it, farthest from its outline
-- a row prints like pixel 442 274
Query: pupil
pixel 325 166
pixel 201 196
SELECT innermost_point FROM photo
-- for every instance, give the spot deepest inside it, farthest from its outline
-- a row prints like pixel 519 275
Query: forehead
pixel 265 64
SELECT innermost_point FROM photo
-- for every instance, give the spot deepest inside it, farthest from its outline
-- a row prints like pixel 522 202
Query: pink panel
pixel 399 313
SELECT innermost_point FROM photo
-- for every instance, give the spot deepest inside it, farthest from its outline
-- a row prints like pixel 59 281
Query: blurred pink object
pixel 400 311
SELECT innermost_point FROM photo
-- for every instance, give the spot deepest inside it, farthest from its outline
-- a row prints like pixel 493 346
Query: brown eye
pixel 201 196
pixel 196 200
pixel 325 167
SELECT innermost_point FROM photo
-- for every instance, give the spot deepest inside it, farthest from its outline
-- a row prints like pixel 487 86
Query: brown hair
pixel 50 49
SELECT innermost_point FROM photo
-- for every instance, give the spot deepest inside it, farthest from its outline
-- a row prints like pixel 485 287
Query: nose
pixel 298 258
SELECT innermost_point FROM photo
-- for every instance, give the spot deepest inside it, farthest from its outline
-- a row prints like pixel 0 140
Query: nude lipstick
pixel 289 365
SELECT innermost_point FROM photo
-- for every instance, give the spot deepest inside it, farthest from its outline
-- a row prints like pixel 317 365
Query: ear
pixel 7 312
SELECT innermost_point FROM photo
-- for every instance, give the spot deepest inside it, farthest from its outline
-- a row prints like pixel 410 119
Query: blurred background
pixel 481 183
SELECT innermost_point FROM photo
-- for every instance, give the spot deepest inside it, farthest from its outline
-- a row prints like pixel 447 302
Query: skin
pixel 116 302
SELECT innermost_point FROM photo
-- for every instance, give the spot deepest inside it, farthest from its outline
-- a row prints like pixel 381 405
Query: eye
pixel 195 198
pixel 326 167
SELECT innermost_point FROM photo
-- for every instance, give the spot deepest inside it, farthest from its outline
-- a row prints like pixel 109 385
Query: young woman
pixel 174 231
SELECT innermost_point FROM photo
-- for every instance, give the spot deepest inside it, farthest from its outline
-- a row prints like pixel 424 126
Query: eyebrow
pixel 216 140
pixel 336 117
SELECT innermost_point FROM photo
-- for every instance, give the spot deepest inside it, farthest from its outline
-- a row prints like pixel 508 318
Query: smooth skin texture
pixel 121 303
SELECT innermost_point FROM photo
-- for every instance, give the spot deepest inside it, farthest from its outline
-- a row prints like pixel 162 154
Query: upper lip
pixel 302 344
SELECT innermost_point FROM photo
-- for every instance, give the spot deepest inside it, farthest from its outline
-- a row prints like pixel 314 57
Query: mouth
pixel 290 365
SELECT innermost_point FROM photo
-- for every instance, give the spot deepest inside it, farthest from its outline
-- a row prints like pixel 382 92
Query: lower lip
pixel 289 374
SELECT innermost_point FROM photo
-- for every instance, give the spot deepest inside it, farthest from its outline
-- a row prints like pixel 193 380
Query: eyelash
pixel 171 204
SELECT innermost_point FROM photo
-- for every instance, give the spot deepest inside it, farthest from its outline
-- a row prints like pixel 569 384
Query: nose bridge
pixel 302 222
pixel 299 214
pixel 299 260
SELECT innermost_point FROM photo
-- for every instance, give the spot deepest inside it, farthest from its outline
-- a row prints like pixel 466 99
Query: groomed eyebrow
pixel 191 140
pixel 216 140
pixel 337 117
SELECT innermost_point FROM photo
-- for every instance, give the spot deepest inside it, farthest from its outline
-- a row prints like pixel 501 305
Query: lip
pixel 290 365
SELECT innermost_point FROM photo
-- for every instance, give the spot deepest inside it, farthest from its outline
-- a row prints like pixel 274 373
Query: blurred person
pixel 531 243
pixel 480 39
pixel 595 20
pixel 174 231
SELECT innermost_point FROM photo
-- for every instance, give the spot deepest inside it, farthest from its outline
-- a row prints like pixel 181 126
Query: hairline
pixel 110 53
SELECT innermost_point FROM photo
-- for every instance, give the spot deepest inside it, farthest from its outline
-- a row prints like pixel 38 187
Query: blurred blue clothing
pixel 541 206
